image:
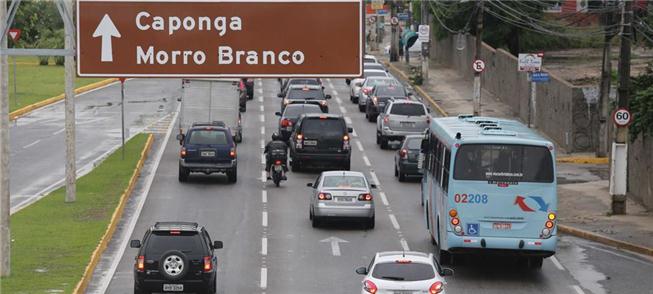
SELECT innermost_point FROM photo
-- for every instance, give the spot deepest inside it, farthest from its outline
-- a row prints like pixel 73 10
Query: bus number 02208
pixel 470 198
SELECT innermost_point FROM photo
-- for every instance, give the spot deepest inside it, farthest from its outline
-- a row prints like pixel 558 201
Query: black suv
pixel 175 257
pixel 320 138
pixel 207 148
pixel 379 98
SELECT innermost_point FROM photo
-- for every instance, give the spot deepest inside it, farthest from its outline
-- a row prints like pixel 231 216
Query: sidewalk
pixel 583 198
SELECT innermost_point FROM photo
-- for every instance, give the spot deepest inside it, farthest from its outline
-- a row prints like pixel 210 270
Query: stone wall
pixel 640 170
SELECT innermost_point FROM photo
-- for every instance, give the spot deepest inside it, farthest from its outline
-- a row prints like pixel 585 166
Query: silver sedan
pixel 342 195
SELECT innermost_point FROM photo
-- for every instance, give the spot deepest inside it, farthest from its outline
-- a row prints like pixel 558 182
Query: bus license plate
pixel 502 226
pixel 173 287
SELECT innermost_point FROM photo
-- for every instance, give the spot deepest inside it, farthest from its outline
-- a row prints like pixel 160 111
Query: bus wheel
pixel 535 262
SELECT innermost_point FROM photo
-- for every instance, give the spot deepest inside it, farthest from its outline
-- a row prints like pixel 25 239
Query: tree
pixel 641 104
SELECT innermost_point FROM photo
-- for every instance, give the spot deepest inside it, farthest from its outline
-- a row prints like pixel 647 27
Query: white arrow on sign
pixel 106 29
pixel 335 246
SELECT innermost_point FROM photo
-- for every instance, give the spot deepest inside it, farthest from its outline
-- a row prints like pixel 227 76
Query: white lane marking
pixel 58 132
pixel 354 134
pixel 264 278
pixel 264 246
pixel 557 263
pixel 262 158
pixel 262 108
pixel 263 131
pixel 343 110
pixel 404 244
pixel 264 218
pixel 261 118
pixel 348 120
pixel 394 221
pixel 578 289
pixel 360 146
pixel 366 160
pixel 264 196
pixel 264 176
pixel 262 143
pixel 328 80
pixel 260 91
pixel 129 229
pixel 620 255
pixel 31 144
pixel 374 178
pixel 384 199
pixel 260 99
pixel 335 244
pixel 338 100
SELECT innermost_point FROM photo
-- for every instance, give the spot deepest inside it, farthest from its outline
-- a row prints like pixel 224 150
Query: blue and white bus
pixel 489 185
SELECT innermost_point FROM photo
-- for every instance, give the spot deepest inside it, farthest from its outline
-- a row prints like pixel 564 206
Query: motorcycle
pixel 278 172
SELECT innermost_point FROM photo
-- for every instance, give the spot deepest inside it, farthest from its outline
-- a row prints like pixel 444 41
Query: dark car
pixel 175 257
pixel 287 83
pixel 320 138
pixel 407 156
pixel 249 86
pixel 380 96
pixel 306 93
pixel 207 148
pixel 291 114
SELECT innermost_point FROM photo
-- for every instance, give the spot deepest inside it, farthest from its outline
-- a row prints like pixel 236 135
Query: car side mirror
pixel 309 185
pixel 348 82
pixel 350 129
pixel 445 271
pixel 135 243
pixel 327 96
pixel 234 83
pixel 180 138
pixel 217 245
pixel 373 186
pixel 279 95
pixel 361 270
pixel 277 113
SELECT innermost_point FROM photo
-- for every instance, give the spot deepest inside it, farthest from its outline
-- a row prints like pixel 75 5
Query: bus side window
pixel 433 154
pixel 438 162
pixel 447 163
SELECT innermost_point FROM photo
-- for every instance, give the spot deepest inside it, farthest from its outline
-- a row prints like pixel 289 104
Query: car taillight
pixel 455 221
pixel 140 263
pixel 208 265
pixel 403 153
pixel 345 137
pixel 286 101
pixel 286 123
pixel 323 102
pixel 369 287
pixel 232 153
pixel 436 288
pixel 375 100
pixel 365 197
pixel 277 162
pixel 386 119
pixel 345 142
pixel 366 91
pixel 182 153
pixel 324 196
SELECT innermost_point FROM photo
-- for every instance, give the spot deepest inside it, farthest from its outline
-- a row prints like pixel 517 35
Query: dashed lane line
pixel 264 246
pixel 261 118
pixel 360 146
pixel 578 289
pixel 343 109
pixel 263 131
pixel 264 219
pixel 404 244
pixel 394 222
pixel 264 278
pixel 264 196
pixel 31 144
pixel 557 263
pixel 348 120
pixel 264 176
pixel 366 160
pixel 59 132
pixel 384 199
pixel 262 158
pixel 262 108
pixel 374 178
pixel 262 143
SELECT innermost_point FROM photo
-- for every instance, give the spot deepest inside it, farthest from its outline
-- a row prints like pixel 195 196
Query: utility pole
pixel 424 20
pixel 394 40
pixel 479 44
pixel 122 115
pixel 603 138
pixel 69 105
pixel 5 233
pixel 619 162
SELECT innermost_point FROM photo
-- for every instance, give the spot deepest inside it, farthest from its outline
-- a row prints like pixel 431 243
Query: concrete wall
pixel 563 112
pixel 640 170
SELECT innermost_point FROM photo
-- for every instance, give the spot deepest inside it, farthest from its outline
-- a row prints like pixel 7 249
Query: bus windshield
pixel 503 163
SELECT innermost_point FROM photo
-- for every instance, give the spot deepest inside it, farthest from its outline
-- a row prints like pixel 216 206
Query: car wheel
pixel 355 100
pixel 173 265
pixel 183 174
pixel 402 176
pixel 347 165
pixel 232 175
pixel 535 262
pixel 378 138
pixel 239 137
pixel 310 214
pixel 361 108
pixel 295 166
pixel 384 142
pixel 370 223
pixel 137 290
pixel 315 222
pixel 396 172
pixel 351 98
pixel 371 118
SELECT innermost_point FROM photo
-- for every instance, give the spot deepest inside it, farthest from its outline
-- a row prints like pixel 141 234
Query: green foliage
pixel 36 18
pixel 641 104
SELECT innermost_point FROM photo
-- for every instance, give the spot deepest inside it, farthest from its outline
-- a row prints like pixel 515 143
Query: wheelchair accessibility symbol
pixel 472 229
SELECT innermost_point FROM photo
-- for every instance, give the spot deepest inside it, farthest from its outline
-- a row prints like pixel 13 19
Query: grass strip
pixel 52 241
pixel 37 82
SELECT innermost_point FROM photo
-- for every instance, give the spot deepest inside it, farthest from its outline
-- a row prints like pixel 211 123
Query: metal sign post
pixel 14 34
pixel 122 114
pixel 530 63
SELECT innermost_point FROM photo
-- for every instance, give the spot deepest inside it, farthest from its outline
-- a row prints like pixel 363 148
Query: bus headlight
pixel 458 230
pixel 546 233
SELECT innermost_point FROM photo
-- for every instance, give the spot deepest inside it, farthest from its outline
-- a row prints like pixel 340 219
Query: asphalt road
pixel 37 148
pixel 270 246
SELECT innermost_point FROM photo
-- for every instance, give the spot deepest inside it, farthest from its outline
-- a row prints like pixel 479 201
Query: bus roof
pixel 482 129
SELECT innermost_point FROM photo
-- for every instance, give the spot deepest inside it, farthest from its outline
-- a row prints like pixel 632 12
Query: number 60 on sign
pixel 622 117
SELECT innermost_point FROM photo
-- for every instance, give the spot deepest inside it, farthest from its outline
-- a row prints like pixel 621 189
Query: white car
pixel 403 272
pixel 368 86
pixel 355 85
pixel 370 59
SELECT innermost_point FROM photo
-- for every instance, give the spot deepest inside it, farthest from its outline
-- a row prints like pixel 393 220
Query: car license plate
pixel 403 292
pixel 344 199
pixel 310 142
pixel 207 153
pixel 173 287
pixel 407 124
pixel 502 226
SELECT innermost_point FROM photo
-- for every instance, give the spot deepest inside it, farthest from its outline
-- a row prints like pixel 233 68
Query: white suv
pixel 403 272
pixel 399 119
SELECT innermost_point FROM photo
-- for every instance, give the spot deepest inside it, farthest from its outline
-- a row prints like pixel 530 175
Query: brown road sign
pixel 264 38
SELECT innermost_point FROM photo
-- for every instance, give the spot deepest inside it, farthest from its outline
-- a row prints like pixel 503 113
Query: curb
pixel 29 108
pixel 117 214
pixel 605 240
pixel 583 160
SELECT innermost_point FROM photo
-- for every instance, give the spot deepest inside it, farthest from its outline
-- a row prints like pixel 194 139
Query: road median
pixel 56 245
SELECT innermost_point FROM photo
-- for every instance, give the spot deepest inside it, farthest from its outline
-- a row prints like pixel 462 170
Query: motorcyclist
pixel 249 86
pixel 276 150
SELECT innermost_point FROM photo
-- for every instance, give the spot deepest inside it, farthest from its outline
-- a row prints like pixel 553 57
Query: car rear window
pixel 413 143
pixel 316 127
pixel 390 91
pixel 295 111
pixel 396 271
pixel 369 60
pixel 368 74
pixel 305 94
pixel 374 66
pixel 407 109
pixel 206 137
pixel 304 82
pixel 186 242
pixel 375 82
pixel 344 182
pixel 504 163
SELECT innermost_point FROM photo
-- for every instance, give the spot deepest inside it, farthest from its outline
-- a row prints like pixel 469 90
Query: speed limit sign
pixel 622 117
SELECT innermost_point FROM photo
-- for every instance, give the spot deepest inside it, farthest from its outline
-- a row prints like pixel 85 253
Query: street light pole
pixel 424 20
pixel 69 105
pixel 5 233
pixel 394 40
pixel 479 44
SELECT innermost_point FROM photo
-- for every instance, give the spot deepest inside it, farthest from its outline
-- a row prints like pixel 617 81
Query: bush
pixel 641 104
pixel 44 60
